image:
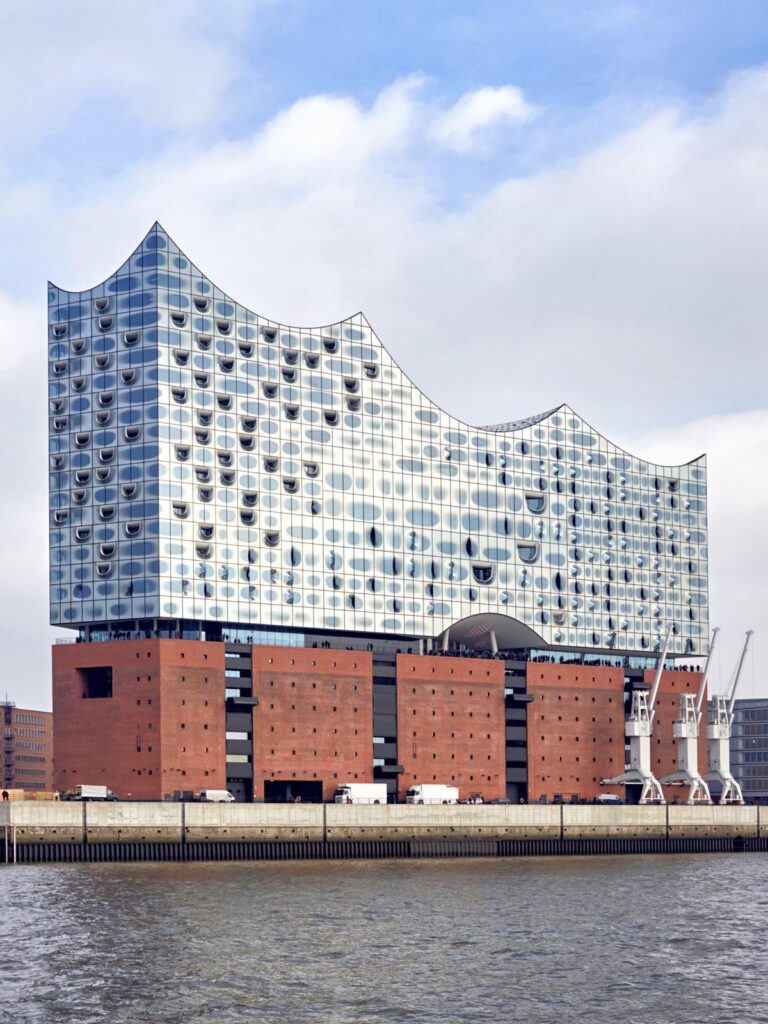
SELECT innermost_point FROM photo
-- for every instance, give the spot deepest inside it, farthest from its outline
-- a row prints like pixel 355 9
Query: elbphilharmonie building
pixel 231 496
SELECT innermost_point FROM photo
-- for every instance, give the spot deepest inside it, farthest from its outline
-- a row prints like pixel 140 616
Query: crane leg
pixel 652 792
pixel 731 792
pixel 699 792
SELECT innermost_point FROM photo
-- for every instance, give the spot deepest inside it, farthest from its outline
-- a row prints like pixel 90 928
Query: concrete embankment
pixel 35 831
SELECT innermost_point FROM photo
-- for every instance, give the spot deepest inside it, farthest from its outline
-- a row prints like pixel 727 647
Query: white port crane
pixel 719 735
pixel 638 730
pixel 686 733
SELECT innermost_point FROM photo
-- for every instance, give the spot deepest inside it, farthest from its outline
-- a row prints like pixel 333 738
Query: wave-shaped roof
pixel 157 235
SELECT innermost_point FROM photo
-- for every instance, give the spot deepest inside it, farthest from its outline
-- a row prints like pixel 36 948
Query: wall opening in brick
pixel 96 681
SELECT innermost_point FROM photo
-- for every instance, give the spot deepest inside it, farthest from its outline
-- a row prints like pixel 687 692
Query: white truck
pixel 93 793
pixel 216 796
pixel 432 794
pixel 361 793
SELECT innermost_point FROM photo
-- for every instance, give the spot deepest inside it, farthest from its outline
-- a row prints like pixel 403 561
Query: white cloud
pixel 462 127
pixel 645 255
pixel 330 135
pixel 161 65
pixel 24 510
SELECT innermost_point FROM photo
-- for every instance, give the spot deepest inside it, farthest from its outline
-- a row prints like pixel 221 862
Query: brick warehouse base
pixel 451 723
pixel 154 719
pixel 313 723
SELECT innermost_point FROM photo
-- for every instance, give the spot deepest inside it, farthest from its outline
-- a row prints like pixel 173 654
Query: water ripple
pixel 625 940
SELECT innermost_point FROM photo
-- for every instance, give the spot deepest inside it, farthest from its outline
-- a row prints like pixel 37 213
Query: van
pixel 216 796
pixel 608 798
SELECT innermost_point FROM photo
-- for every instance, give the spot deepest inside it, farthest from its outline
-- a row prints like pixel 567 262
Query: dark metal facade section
pixel 516 729
pixel 9 748
pixel 385 761
pixel 239 720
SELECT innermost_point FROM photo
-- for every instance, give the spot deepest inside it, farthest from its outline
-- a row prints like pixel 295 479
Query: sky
pixel 532 202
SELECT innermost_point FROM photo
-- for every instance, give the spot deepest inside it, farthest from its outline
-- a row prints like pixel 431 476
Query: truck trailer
pixel 361 793
pixel 92 793
pixel 432 794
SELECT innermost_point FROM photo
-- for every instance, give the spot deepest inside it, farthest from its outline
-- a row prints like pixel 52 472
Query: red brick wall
pixel 133 741
pixel 663 746
pixel 575 730
pixel 193 720
pixel 314 720
pixel 450 723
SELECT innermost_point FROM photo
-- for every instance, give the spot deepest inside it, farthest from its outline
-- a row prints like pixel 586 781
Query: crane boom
pixel 731 693
pixel 719 735
pixel 657 677
pixel 705 674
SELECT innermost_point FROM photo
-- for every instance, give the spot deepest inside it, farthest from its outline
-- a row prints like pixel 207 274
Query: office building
pixel 749 748
pixel 27 749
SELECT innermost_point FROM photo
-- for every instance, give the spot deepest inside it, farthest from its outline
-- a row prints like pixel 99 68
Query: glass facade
pixel 209 465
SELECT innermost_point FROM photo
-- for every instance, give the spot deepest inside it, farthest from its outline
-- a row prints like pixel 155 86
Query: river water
pixel 631 940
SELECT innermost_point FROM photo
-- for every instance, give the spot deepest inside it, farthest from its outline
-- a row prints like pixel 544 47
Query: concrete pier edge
pixel 38 831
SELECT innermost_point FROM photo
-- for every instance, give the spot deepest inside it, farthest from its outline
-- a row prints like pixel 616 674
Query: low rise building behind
pixel 749 748
pixel 27 749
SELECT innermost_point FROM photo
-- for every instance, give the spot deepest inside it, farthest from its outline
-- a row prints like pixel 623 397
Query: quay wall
pixel 436 821
pixel 47 822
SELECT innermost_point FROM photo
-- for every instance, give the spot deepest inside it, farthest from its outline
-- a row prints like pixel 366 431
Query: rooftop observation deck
pixel 392 646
